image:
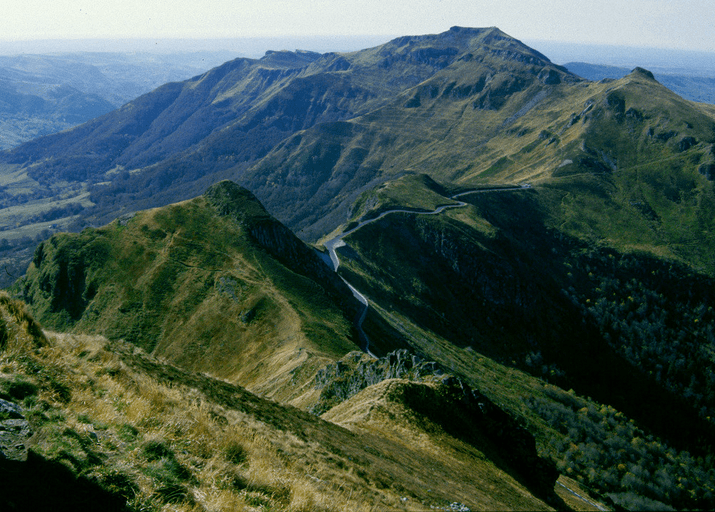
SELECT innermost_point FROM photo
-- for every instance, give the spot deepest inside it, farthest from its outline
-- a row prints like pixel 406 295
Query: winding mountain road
pixel 336 242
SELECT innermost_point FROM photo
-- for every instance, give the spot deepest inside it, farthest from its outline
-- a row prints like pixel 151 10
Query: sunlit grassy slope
pixel 629 162
pixel 115 425
pixel 213 284
pixel 489 291
pixel 598 280
pixel 309 133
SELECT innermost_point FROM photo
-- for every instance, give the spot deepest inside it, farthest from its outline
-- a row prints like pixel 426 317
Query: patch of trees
pixel 58 212
pixel 609 453
pixel 658 315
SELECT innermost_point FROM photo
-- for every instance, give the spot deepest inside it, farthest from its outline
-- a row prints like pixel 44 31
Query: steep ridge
pixel 407 413
pixel 492 79
pixel 597 279
pixel 282 87
pixel 308 133
pixel 113 428
pixel 214 284
pixel 541 132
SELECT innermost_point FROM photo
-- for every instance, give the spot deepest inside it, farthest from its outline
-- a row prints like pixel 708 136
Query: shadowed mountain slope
pixel 495 279
pixel 307 133
pixel 173 143
pixel 595 275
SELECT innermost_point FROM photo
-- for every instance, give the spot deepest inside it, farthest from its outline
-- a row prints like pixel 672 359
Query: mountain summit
pixel 204 283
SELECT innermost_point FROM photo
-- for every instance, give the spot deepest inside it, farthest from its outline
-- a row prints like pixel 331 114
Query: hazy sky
pixel 685 24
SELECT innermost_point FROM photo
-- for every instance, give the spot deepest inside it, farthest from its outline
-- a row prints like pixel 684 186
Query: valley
pixel 47 93
pixel 440 273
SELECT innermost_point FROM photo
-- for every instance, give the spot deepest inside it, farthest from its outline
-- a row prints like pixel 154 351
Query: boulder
pixel 14 432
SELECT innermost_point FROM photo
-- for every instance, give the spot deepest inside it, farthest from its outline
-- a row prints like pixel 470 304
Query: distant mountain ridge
pixel 693 88
pixel 183 135
pixel 43 94
pixel 308 133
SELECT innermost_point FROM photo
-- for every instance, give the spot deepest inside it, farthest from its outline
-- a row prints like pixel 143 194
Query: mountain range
pixel 43 94
pixel 521 282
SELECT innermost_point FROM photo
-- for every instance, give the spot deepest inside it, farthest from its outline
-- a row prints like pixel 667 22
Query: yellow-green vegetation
pixel 622 165
pixel 134 429
pixel 309 133
pixel 200 287
pixel 598 279
pixel 411 192
pixel 600 447
pixel 386 411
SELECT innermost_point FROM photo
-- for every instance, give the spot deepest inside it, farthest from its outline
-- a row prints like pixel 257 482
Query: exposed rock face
pixel 708 170
pixel 549 77
pixel 643 72
pixel 14 432
pixel 460 410
pixel 355 372
pixel 686 143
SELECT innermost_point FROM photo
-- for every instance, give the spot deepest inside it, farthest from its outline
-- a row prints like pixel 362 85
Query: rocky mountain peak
pixel 240 204
pixel 289 59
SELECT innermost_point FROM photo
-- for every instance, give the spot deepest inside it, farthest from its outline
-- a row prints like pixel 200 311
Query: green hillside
pixel 106 426
pixel 307 133
pixel 491 303
pixel 554 320
pixel 198 283
pixel 171 144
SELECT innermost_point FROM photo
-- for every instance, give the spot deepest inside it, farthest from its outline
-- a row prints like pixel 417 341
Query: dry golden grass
pixel 379 413
pixel 219 464
pixel 168 439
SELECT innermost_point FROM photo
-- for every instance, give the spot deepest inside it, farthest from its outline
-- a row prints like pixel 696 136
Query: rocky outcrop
pixel 708 170
pixel 14 432
pixel 356 371
pixel 638 71
pixel 686 143
pixel 460 410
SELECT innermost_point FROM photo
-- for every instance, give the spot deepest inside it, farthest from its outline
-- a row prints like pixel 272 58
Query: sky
pixel 681 24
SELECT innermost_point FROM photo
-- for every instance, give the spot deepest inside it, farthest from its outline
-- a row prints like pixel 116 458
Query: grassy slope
pixel 138 429
pixel 621 163
pixel 461 106
pixel 190 285
pixel 382 411
pixel 631 142
pixel 466 106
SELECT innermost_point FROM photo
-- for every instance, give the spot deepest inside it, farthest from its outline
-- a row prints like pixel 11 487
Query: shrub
pixel 235 453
